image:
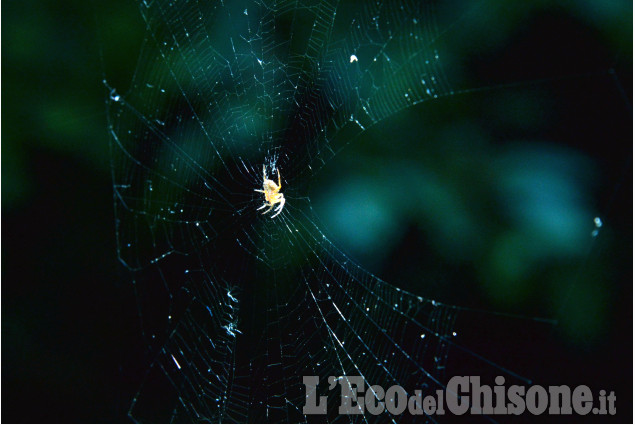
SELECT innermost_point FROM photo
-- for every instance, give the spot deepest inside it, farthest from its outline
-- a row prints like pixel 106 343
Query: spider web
pixel 235 307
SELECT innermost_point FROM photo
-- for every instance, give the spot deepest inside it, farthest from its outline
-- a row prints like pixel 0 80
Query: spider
pixel 272 193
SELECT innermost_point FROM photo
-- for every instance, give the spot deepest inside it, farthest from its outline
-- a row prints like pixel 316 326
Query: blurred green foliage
pixel 494 180
pixel 53 94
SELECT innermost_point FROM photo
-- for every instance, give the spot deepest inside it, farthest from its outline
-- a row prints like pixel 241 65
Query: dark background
pixel 546 79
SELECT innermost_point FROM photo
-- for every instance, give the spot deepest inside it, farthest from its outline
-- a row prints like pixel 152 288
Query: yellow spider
pixel 272 193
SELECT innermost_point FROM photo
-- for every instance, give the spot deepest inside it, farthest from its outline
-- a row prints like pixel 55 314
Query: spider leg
pixel 268 209
pixel 263 206
pixel 279 208
pixel 259 190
